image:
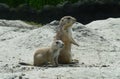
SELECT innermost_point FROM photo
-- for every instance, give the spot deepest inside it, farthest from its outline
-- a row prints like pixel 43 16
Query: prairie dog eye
pixel 57 42
pixel 68 18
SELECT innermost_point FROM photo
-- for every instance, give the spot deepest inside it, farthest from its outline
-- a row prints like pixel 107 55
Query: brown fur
pixel 64 33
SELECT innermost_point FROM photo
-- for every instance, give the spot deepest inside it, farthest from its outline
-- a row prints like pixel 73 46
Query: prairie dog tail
pixel 26 64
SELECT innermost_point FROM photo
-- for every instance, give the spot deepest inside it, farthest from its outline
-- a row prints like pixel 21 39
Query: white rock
pixel 99 46
pixel 15 23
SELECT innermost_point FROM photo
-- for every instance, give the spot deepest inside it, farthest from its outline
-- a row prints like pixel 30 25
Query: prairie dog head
pixel 67 21
pixel 57 44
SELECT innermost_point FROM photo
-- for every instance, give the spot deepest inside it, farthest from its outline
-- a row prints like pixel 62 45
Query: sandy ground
pixel 98 53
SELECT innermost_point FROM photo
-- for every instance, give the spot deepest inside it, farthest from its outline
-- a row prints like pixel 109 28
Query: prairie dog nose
pixel 62 45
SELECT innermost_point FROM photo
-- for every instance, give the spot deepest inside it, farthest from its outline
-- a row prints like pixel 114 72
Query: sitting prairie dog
pixel 48 55
pixel 64 33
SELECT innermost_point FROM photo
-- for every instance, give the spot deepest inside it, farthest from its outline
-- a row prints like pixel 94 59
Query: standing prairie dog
pixel 48 55
pixel 64 33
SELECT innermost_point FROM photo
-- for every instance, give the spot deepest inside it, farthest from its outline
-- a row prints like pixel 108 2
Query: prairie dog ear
pixel 54 37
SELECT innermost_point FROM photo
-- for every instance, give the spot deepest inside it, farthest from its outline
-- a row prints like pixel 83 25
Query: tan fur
pixel 48 55
pixel 65 34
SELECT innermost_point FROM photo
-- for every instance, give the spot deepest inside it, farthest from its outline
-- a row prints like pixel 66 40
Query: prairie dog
pixel 48 55
pixel 64 33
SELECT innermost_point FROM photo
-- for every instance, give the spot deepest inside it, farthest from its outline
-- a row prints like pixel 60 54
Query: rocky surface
pixel 98 53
